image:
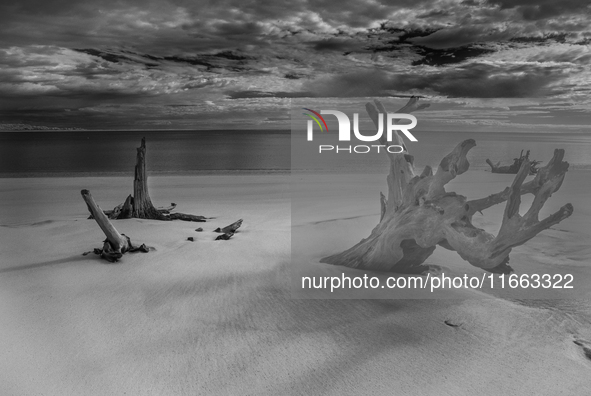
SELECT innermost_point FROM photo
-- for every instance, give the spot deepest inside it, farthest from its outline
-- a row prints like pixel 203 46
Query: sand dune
pixel 218 317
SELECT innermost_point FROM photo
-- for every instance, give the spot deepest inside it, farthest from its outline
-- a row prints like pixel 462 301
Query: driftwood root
pixel 419 214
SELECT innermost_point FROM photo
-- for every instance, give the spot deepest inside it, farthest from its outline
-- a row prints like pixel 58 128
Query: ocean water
pixel 114 152
pixel 433 146
pixel 75 153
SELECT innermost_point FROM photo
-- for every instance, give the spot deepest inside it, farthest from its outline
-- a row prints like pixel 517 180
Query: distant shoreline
pixel 55 129
pixel 207 172
pixel 35 128
pixel 212 172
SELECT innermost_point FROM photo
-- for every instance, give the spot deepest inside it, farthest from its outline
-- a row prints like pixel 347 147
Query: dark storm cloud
pixel 542 9
pixel 434 14
pixel 487 81
pixel 10 59
pixel 71 79
pixel 263 94
pixel 471 3
pixel 182 25
pixel 336 44
pixel 462 35
pixel 359 13
pixel 234 30
pixel 174 27
pixel 161 22
pixel 437 57
pixel 474 80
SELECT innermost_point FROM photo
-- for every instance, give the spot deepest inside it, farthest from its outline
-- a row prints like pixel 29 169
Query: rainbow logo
pixel 316 119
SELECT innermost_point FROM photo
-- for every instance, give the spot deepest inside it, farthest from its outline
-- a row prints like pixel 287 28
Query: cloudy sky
pixel 201 64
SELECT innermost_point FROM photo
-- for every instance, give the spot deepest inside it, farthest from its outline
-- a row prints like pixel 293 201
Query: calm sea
pixel 114 152
pixel 24 154
pixel 433 146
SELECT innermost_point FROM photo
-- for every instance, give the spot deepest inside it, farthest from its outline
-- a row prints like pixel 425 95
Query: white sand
pixel 212 318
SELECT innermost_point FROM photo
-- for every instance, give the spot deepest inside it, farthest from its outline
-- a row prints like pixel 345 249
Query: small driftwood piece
pixel 514 168
pixel 420 214
pixel 225 236
pixel 230 228
pixel 116 244
pixel 140 205
pixel 186 217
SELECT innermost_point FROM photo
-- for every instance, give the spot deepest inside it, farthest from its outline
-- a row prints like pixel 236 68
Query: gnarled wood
pixel 556 168
pixel 127 208
pixel 420 214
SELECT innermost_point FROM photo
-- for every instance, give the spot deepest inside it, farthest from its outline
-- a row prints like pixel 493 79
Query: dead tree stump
pixel 140 205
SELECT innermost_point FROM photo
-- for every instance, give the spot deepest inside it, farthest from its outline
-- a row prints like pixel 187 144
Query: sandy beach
pixel 219 318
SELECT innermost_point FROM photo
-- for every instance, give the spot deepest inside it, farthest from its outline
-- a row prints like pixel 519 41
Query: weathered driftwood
pixel 419 214
pixel 225 236
pixel 514 168
pixel 116 244
pixel 140 205
pixel 230 228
